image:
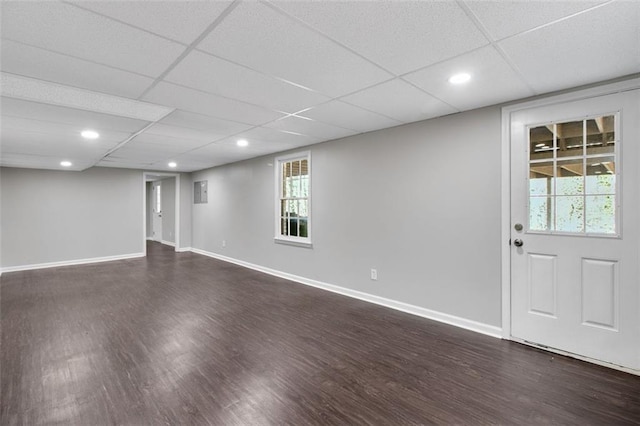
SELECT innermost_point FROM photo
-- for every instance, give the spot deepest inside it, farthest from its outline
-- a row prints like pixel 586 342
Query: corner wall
pixel 420 203
pixel 62 216
pixel 186 201
pixel 168 201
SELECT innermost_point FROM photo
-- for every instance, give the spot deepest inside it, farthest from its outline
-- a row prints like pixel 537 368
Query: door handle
pixel 518 242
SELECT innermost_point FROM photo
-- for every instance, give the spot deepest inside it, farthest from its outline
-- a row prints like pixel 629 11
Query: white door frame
pixel 144 208
pixel 505 233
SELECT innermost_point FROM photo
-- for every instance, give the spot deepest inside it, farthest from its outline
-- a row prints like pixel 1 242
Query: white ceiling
pixel 182 81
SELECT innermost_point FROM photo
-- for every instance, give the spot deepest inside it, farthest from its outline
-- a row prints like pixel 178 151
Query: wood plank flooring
pixel 182 339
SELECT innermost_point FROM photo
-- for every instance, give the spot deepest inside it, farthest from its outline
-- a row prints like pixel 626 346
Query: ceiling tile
pixel 177 144
pixel 66 29
pixel 270 144
pixel 312 128
pixel 183 167
pixel 266 134
pixel 400 100
pixel 45 65
pixel 58 114
pixel 204 123
pixel 183 133
pixel 216 154
pixel 55 145
pixel 237 82
pixel 255 148
pixel 182 21
pixel 348 116
pixel 401 39
pixel 506 18
pixel 488 70
pixel 276 45
pixel 43 162
pixel 185 163
pixel 594 46
pixel 60 130
pixel 26 88
pixel 212 105
pixel 120 164
pixel 145 152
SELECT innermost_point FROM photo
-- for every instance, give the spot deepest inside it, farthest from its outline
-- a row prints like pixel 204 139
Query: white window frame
pixel 285 239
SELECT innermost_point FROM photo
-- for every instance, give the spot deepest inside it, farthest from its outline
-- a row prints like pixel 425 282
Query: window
pixel 293 198
pixel 572 177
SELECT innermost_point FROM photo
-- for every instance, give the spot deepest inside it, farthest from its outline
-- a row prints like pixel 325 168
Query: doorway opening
pixel 161 201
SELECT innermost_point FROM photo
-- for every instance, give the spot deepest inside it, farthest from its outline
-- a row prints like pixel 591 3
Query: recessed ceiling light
pixel 242 142
pixel 173 164
pixel 65 163
pixel 461 78
pixel 90 134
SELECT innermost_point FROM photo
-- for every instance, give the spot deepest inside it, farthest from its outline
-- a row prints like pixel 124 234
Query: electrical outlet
pixel 224 243
pixel 374 274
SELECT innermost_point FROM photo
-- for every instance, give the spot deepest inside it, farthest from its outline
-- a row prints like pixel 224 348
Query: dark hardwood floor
pixel 182 339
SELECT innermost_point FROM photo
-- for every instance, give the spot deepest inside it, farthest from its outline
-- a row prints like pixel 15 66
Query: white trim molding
pixel 71 262
pixel 168 243
pixel 456 321
pixel 183 249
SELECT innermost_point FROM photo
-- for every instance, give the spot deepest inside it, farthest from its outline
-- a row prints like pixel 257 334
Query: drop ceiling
pixel 182 81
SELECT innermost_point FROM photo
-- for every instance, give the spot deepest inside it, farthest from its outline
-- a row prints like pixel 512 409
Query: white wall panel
pixel 543 283
pixel 600 293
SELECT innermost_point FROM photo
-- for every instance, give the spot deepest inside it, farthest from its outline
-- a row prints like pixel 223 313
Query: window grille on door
pixel 572 178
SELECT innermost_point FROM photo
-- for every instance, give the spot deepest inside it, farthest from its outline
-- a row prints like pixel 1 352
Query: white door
pixel 156 227
pixel 575 216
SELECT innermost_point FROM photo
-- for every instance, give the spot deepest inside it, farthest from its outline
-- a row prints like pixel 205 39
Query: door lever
pixel 518 242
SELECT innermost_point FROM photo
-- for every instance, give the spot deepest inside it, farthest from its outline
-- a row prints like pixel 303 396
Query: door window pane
pixel 572 176
pixel 541 213
pixel 601 178
pixel 570 138
pixel 601 214
pixel 601 135
pixel 570 214
pixel 541 142
pixel 541 178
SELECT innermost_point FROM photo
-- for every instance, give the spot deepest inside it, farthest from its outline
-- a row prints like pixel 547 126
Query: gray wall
pixel 420 203
pixel 149 209
pixel 51 216
pixel 168 201
pixel 186 197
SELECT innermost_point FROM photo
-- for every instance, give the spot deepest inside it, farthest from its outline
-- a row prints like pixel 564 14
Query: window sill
pixel 296 243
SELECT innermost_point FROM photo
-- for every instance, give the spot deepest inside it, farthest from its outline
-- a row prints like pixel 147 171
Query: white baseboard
pixel 70 262
pixel 168 243
pixel 467 324
pixel 183 249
